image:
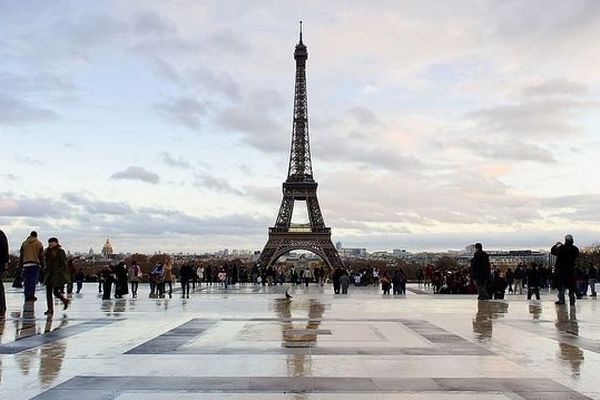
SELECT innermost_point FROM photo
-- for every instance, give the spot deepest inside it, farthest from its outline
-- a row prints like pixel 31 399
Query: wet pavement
pixel 249 342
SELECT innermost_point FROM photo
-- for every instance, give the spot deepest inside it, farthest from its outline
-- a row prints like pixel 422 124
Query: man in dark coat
pixel 564 269
pixel 3 264
pixel 480 269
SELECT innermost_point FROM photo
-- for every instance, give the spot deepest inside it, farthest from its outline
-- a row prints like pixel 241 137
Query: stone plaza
pixel 249 342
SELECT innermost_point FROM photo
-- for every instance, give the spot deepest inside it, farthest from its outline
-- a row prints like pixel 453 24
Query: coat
pixel 480 265
pixel 3 251
pixel 565 263
pixel 56 273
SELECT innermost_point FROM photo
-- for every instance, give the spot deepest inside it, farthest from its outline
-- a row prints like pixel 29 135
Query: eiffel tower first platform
pixel 300 186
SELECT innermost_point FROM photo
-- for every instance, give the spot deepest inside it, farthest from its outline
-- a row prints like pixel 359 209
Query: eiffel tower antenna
pixel 300 186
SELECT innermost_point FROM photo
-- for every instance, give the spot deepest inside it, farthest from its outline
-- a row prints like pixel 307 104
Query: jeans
pixel 79 286
pixel 519 286
pixel 185 287
pixel 134 288
pixel 30 278
pixel 561 294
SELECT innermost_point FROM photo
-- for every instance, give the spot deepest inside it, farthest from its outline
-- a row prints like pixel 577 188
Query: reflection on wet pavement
pixel 249 343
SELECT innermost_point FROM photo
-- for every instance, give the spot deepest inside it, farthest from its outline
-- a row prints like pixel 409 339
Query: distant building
pixel 353 252
pixel 338 246
pixel 107 250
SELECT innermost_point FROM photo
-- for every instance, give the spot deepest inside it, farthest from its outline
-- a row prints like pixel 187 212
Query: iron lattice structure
pixel 300 186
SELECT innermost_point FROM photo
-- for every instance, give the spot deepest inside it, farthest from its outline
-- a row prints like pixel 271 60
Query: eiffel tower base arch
pixel 280 243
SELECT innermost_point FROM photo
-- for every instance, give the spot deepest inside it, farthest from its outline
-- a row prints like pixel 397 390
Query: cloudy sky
pixel 166 124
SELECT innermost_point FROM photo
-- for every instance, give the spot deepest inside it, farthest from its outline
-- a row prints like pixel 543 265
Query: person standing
pixel 121 275
pixel 566 254
pixel 480 269
pixel 55 275
pixel 31 259
pixel 337 274
pixel 593 279
pixel 345 282
pixel 70 276
pixel 169 277
pixel 510 279
pixel 135 273
pixel 186 273
pixel 519 276
pixel 3 266
pixel 385 283
pixel 533 281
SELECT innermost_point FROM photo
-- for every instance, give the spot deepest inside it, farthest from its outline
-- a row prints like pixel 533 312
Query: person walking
pixel 56 275
pixel 480 269
pixel 158 277
pixel 533 281
pixel 564 269
pixel 31 259
pixel 186 274
pixel 345 282
pixel 3 266
pixel 399 281
pixel 79 277
pixel 135 273
pixel 307 276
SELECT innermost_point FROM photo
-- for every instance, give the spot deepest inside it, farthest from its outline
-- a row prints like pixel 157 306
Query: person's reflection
pixel 535 310
pixel 25 326
pixel 566 322
pixel 52 355
pixel 119 307
pixel 106 307
pixel 299 363
pixel 2 321
pixel 487 312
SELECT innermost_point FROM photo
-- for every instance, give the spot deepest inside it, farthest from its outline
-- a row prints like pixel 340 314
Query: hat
pixel 569 238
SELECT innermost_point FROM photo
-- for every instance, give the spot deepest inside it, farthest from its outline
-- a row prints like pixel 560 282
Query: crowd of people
pixel 51 267
pixel 492 283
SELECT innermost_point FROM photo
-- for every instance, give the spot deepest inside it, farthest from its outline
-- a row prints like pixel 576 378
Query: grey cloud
pixel 136 173
pixel 14 111
pixel 557 87
pixel 35 207
pixel 186 111
pixel 539 118
pixel 576 208
pixel 24 159
pixel 218 82
pixel 98 206
pixel 216 184
pixel 171 161
pixel 364 116
pixel 507 150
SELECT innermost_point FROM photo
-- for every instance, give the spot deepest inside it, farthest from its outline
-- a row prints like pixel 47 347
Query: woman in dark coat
pixel 56 274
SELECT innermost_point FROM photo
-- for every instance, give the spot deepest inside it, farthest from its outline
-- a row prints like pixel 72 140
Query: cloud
pixel 549 118
pixel 12 205
pixel 14 111
pixel 204 181
pixel 171 161
pixel 556 87
pixel 186 111
pixel 97 206
pixel 136 173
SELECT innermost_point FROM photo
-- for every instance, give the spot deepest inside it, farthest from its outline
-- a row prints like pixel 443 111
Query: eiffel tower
pixel 300 186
